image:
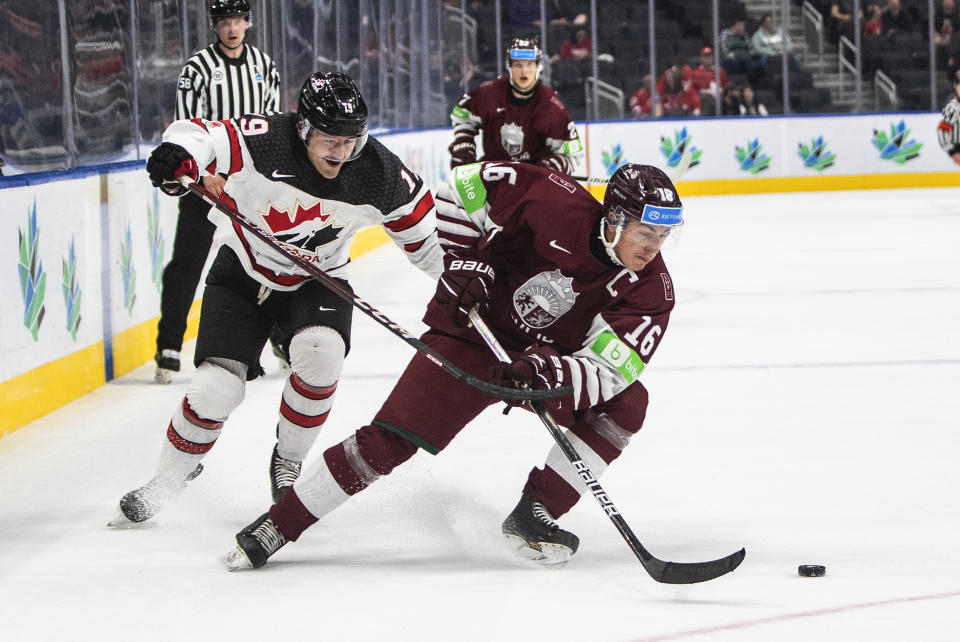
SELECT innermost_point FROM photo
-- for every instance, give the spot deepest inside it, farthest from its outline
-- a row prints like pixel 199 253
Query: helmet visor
pixel 330 147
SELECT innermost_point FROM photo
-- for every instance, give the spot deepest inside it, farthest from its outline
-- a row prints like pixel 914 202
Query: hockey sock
pixel 195 427
pixel 316 358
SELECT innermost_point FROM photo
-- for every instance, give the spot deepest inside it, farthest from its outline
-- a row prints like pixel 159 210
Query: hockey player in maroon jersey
pixel 312 178
pixel 522 120
pixel 576 291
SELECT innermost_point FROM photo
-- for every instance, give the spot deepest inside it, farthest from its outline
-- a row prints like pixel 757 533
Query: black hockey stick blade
pixel 500 392
pixel 691 572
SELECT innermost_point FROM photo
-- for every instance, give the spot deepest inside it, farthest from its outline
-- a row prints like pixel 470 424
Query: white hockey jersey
pixel 271 181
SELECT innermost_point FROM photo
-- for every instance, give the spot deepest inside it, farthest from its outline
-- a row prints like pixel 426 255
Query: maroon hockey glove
pixel 540 367
pixel 465 283
pixel 463 151
pixel 556 162
pixel 166 164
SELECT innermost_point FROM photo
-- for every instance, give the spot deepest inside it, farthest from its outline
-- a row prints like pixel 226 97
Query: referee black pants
pixel 182 274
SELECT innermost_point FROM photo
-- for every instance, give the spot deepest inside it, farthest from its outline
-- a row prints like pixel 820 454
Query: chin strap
pixel 609 245
pixel 526 93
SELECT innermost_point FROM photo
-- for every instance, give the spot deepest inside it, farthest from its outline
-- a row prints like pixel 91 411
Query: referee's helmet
pixel 228 9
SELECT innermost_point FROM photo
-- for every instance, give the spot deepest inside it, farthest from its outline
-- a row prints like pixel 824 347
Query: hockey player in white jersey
pixel 312 178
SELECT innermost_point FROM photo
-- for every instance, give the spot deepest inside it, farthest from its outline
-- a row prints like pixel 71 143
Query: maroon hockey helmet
pixel 642 192
pixel 645 194
pixel 525 49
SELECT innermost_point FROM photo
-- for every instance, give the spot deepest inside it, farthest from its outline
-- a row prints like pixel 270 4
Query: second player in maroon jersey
pixel 520 118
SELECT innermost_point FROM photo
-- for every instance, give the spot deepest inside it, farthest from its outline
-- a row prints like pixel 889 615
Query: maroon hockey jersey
pixel 538 131
pixel 554 282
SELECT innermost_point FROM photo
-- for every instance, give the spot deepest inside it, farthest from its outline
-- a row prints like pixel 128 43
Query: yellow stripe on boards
pixel 367 239
pixel 758 185
pixel 135 346
pixel 44 389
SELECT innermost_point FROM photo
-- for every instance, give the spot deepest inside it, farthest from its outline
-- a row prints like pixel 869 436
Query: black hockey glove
pixel 462 152
pixel 166 164
pixel 465 283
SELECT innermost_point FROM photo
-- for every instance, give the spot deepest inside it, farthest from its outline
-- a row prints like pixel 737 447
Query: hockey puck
pixel 811 570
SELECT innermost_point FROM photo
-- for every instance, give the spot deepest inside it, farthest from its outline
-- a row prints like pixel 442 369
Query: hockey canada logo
pixel 544 298
pixel 511 137
pixel 306 227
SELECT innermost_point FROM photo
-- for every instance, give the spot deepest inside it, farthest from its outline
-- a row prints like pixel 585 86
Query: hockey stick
pixel 661 571
pixel 675 174
pixel 346 294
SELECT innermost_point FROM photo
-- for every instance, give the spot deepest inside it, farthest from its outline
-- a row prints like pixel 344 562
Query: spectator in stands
pixel 749 105
pixel 731 100
pixel 679 65
pixel 704 77
pixel 581 48
pixel 946 19
pixel 677 99
pixel 564 12
pixel 524 17
pixel 453 79
pixel 640 101
pixel 895 18
pixel 768 41
pixel 736 53
pixel 841 19
pixel 484 13
pixel 874 24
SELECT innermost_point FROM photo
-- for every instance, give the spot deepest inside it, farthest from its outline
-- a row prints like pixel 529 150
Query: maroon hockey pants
pixel 427 408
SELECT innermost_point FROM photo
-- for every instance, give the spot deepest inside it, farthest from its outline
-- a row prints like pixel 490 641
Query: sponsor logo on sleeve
pixel 619 355
pixel 470 187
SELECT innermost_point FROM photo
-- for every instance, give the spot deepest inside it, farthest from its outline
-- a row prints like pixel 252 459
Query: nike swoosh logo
pixel 501 109
pixel 554 245
pixel 323 309
pixel 278 175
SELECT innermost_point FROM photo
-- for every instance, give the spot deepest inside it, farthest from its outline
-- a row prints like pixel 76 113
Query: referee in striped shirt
pixel 225 80
pixel 948 129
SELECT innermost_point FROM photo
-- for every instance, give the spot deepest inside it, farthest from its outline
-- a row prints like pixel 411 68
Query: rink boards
pixel 88 246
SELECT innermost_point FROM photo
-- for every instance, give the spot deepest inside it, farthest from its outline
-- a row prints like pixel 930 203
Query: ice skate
pixel 168 362
pixel 283 472
pixel 141 504
pixel 531 529
pixel 255 544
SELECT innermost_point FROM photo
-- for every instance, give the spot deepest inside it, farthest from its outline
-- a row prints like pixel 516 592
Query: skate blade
pixel 543 553
pixel 237 560
pixel 120 522
pixel 163 376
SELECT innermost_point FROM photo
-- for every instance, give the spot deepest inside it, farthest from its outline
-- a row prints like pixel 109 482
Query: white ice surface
pixel 804 404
